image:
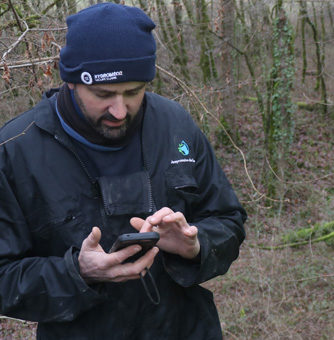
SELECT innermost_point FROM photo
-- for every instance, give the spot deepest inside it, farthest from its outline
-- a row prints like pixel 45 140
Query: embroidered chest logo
pixel 184 148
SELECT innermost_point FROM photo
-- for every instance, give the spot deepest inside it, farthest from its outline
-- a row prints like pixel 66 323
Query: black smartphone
pixel 145 240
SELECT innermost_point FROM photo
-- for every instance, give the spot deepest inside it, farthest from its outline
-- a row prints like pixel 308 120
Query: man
pixel 99 158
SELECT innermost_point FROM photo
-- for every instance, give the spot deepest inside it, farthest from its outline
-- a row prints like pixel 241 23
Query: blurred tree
pixel 72 6
pixel 207 62
pixel 227 28
pixel 183 58
pixel 173 36
pixel 143 5
pixel 320 56
pixel 279 118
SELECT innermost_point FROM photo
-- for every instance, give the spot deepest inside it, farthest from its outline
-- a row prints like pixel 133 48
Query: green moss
pixel 306 234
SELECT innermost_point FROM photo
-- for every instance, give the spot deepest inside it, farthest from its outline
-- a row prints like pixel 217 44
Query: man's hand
pixel 176 236
pixel 98 266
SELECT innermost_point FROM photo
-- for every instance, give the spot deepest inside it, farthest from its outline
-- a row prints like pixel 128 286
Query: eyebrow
pixel 103 90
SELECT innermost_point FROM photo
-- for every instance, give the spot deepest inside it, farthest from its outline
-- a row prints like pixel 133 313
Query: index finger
pixel 155 219
pixel 146 227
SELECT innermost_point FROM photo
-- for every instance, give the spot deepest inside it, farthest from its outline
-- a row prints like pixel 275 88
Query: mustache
pixel 108 116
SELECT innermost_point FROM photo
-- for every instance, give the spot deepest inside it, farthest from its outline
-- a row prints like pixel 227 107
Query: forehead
pixel 116 87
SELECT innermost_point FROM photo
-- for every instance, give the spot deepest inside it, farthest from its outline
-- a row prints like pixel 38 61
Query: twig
pixel 13 88
pixel 55 44
pixel 12 46
pixel 15 15
pixel 314 101
pixel 20 134
pixel 231 334
pixel 21 29
pixel 48 29
pixel 27 63
pixel 312 278
pixel 298 182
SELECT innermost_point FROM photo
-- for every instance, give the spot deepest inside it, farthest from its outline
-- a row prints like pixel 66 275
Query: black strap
pixel 157 301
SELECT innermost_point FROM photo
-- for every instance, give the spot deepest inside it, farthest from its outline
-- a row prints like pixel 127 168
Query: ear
pixel 71 86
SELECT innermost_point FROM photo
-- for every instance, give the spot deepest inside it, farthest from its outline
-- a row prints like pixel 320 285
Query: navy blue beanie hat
pixel 108 43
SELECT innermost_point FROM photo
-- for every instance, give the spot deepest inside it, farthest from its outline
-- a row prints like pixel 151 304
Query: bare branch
pixel 48 29
pixel 11 47
pixel 20 134
pixel 297 182
pixel 324 276
pixel 29 63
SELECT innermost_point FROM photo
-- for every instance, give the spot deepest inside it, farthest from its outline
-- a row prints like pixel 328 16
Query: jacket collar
pixel 153 134
pixel 45 115
pixel 46 119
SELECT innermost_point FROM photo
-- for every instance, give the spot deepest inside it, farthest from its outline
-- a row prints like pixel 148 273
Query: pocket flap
pixel 181 178
pixel 127 194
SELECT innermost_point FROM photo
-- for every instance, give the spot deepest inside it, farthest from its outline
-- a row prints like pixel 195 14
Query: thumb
pixel 93 239
pixel 137 222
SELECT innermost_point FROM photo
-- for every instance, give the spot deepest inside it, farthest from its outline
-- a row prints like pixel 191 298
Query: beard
pixel 113 133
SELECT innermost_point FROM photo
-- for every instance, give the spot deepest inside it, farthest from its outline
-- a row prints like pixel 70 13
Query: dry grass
pixel 277 295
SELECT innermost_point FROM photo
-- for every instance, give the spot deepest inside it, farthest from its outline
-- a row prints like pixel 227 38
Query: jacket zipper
pixel 152 207
pixel 150 197
pixel 105 205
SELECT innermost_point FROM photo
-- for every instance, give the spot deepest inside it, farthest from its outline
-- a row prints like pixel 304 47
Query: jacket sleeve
pixel 219 217
pixel 35 288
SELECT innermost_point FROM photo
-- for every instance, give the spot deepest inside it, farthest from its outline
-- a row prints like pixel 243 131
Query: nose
pixel 118 107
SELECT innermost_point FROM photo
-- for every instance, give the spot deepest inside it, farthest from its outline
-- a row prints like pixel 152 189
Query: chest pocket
pixel 127 194
pixel 182 189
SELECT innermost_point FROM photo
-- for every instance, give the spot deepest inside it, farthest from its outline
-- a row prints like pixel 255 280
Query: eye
pixel 102 95
pixel 131 93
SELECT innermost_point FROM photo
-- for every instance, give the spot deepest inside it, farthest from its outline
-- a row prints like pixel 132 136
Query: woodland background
pixel 257 76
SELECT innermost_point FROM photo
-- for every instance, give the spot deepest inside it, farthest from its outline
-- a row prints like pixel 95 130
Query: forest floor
pixel 285 293
pixel 272 294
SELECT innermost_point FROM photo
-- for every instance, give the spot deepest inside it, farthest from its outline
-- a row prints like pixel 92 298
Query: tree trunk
pixel 143 5
pixel 182 49
pixel 207 62
pixel 320 80
pixel 303 22
pixel 72 6
pixel 227 11
pixel 189 9
pixel 279 132
pixel 171 38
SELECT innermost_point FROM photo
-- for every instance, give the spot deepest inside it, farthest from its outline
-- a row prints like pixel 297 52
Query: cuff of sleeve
pixel 187 272
pixel 181 270
pixel 72 265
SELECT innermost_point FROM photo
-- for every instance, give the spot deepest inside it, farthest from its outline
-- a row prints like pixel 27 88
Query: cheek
pixel 94 109
pixel 134 105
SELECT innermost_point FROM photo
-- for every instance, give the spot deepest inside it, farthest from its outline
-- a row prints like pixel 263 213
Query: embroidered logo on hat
pixel 108 76
pixel 86 78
